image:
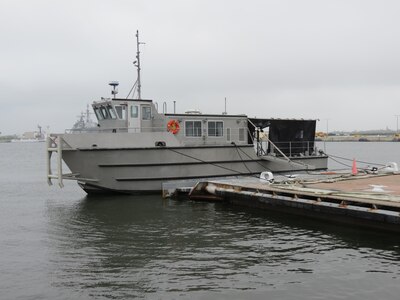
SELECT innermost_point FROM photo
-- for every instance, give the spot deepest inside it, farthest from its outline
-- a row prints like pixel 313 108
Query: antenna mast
pixel 136 63
pixel 139 85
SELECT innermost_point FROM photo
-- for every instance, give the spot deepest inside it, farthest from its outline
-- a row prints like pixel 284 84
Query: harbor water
pixel 59 244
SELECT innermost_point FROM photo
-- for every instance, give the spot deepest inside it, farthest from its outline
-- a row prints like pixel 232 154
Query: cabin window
pixel 121 111
pixel 241 135
pixel 98 114
pixel 215 128
pixel 228 134
pixel 193 128
pixel 111 112
pixel 146 112
pixel 104 112
pixel 134 111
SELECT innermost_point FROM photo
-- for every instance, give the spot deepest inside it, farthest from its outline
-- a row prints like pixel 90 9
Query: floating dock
pixel 370 200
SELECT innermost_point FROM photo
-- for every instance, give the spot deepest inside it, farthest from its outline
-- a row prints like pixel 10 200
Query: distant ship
pixel 135 147
pixel 84 122
pixel 31 137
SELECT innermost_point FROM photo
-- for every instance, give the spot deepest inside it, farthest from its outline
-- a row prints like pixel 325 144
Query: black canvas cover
pixel 292 137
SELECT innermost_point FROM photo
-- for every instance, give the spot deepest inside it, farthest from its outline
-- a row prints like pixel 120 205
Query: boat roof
pixel 206 115
pixel 124 99
pixel 102 100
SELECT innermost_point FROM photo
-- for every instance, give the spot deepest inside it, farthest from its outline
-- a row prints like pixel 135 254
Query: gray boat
pixel 136 147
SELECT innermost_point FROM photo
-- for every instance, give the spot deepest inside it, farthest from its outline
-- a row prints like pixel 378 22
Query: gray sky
pixel 336 60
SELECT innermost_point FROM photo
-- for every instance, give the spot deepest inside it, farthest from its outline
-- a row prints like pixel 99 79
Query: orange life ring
pixel 173 126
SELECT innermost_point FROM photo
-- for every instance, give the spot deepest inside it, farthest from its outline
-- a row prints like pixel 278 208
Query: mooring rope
pixel 330 156
pixel 359 161
pixel 214 164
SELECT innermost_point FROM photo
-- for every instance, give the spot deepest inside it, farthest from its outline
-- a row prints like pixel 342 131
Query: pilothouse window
pixel 104 112
pixel 98 114
pixel 121 111
pixel 111 112
pixel 146 112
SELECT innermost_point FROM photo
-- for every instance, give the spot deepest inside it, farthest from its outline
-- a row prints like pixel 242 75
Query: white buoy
pixel 211 188
pixel 391 167
pixel 268 176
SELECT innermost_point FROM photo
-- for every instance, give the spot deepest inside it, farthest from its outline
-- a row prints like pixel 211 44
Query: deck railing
pixel 287 148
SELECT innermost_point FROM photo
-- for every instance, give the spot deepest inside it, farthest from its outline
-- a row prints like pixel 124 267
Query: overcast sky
pixel 330 60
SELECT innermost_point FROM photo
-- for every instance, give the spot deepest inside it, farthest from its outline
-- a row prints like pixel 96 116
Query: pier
pixel 368 200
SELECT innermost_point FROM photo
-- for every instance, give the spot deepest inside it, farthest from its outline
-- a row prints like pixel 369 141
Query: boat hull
pixel 143 170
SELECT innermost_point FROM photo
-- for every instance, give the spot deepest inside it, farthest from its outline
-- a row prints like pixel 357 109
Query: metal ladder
pixel 54 144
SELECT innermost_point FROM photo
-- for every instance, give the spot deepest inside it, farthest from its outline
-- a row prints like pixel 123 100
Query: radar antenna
pixel 114 85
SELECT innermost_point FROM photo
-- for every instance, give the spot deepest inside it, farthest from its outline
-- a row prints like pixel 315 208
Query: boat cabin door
pixel 134 118
pixel 145 119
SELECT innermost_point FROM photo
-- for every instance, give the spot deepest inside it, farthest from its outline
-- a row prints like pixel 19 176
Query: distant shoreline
pixel 358 139
pixel 7 138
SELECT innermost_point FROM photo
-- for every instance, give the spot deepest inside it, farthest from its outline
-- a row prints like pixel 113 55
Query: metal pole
pixel 138 65
pixel 174 106
pixel 258 140
pixel 327 132
pixel 49 152
pixel 327 127
pixel 225 107
pixel 397 123
pixel 59 164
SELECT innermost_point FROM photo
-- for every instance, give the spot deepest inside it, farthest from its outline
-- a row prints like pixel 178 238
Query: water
pixel 59 244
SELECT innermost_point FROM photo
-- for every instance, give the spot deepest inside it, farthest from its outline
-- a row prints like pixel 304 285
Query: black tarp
pixel 292 137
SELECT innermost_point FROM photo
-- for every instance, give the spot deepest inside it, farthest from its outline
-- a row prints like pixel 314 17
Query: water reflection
pixel 117 246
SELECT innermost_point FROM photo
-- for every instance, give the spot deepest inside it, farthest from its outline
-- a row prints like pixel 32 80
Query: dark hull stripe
pixel 184 177
pixel 180 164
pixel 164 148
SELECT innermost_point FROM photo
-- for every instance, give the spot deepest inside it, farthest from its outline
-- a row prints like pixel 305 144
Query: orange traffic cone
pixel 354 170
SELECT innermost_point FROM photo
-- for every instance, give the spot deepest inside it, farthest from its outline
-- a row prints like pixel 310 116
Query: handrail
pixel 287 149
pixel 279 150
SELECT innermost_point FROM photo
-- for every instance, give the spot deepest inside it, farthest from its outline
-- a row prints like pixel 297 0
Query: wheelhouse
pixel 192 127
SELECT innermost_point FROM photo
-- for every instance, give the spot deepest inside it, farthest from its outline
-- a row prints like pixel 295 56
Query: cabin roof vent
pixel 193 112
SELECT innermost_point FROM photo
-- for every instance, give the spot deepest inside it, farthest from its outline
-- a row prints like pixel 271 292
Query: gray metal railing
pixel 287 148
